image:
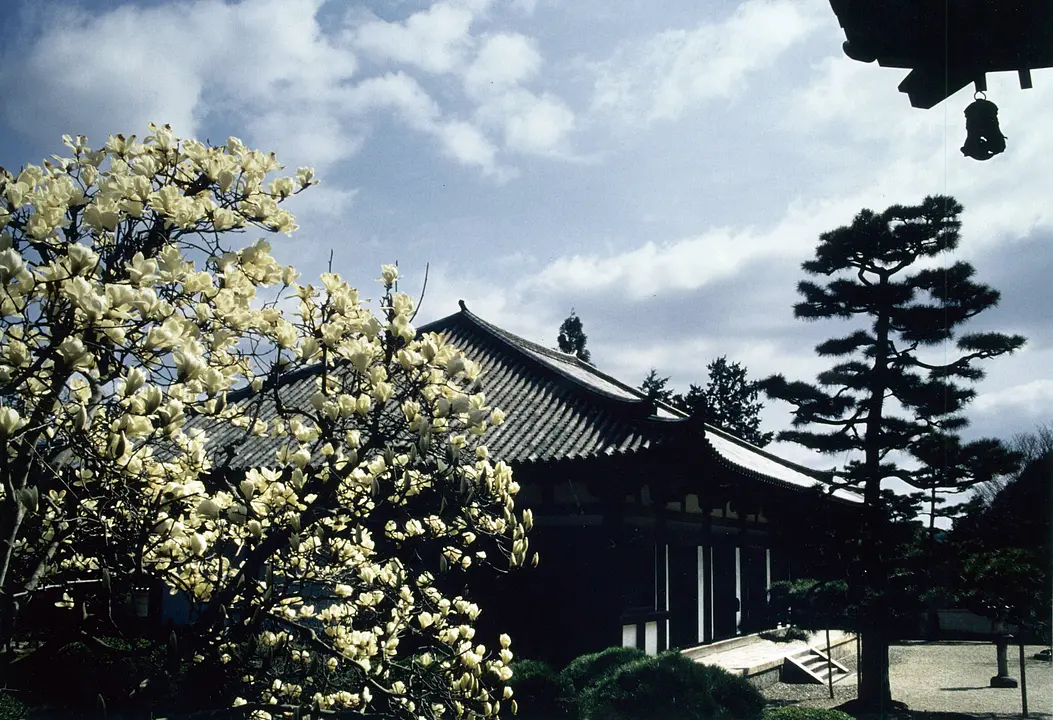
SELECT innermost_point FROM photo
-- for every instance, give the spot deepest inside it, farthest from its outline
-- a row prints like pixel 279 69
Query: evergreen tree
pixel 572 338
pixel 655 387
pixel 693 402
pixel 731 402
pixel 883 396
pixel 1003 550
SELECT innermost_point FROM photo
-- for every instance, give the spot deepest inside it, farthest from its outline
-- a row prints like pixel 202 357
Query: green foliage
pixel 12 708
pixel 671 687
pixel 586 670
pixel 792 712
pixel 655 389
pixel 731 402
pixel 572 338
pixel 812 604
pixel 1003 550
pixel 785 634
pixel 541 693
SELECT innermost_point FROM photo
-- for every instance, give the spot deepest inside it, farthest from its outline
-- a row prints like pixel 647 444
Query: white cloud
pixel 539 124
pixel 466 144
pixel 435 40
pixel 674 71
pixel 396 92
pixel 406 99
pixel 693 262
pixel 322 201
pixel 504 60
pixel 321 142
pixel 1032 398
pixel 492 68
pixel 264 67
pixel 651 268
pixel 266 63
pixel 531 124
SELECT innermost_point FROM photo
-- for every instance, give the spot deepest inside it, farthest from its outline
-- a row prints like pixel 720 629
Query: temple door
pixel 683 596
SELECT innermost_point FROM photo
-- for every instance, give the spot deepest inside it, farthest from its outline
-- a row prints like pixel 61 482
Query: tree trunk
pixel 874 691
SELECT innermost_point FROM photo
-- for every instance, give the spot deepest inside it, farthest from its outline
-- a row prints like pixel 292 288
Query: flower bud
pixel 29 498
pixel 80 418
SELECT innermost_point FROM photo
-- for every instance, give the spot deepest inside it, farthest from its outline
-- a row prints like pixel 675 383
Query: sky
pixel 662 167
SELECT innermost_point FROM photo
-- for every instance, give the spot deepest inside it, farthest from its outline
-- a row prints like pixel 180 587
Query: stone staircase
pixel 811 665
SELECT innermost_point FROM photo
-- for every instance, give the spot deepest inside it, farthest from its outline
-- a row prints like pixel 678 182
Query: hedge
pixel 586 670
pixel 672 687
pixel 541 693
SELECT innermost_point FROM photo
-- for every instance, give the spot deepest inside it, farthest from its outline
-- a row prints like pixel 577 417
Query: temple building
pixel 655 530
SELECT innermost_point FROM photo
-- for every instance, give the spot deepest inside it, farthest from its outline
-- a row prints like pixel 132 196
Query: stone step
pixel 812 666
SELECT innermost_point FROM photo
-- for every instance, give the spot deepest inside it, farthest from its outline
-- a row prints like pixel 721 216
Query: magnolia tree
pixel 331 576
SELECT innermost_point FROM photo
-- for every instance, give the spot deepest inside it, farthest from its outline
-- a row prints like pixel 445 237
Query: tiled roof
pixel 557 408
pixel 560 407
pixel 762 465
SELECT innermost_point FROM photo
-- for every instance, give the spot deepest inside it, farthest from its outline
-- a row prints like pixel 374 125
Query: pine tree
pixel 572 338
pixel 884 394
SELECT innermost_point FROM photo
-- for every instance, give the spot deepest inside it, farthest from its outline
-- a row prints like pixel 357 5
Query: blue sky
pixel 662 167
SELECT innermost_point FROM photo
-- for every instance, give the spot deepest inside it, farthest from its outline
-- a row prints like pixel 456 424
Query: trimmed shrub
pixel 786 634
pixel 800 713
pixel 133 679
pixel 541 693
pixel 671 687
pixel 586 670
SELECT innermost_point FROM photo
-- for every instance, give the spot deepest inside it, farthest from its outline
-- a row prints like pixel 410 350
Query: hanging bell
pixel 984 139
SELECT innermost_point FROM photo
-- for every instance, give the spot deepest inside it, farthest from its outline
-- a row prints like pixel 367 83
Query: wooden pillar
pixel 703 588
pixel 740 578
pixel 660 497
pixel 613 542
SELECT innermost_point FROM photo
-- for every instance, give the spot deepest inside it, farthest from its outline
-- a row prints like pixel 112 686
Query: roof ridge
pixel 523 344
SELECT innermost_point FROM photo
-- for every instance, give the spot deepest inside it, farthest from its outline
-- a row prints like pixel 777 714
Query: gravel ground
pixel 941 681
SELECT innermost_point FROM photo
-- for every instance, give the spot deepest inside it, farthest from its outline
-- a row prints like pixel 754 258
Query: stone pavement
pixel 955 677
pixel 756 654
pixel 944 677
